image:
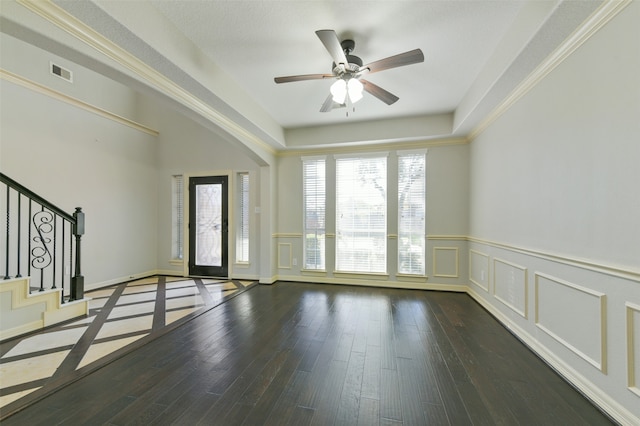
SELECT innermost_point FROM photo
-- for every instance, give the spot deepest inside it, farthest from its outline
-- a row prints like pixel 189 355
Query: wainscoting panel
pixel 479 269
pixel 583 316
pixel 580 326
pixel 633 347
pixel 510 285
pixel 445 262
pixel 285 255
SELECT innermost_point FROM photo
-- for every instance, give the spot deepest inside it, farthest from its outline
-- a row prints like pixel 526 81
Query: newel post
pixel 77 281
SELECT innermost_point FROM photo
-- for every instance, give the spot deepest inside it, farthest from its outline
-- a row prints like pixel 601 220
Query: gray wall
pixel 554 225
pixel 74 157
pixel 446 226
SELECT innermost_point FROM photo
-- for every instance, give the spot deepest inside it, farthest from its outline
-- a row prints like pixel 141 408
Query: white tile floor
pixel 118 317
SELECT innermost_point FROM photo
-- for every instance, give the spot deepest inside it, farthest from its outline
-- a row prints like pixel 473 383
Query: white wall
pixel 554 216
pixel 119 175
pixel 184 147
pixel 74 157
pixel 446 226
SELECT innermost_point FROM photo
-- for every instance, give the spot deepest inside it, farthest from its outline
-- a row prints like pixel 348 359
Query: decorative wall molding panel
pixel 39 88
pixel 591 265
pixel 633 347
pixel 446 262
pixel 510 285
pixel 479 269
pixel 285 255
pixel 287 235
pixel 582 329
pixel 566 369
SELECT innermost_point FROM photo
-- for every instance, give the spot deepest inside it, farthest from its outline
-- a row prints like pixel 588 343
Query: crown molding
pixel 607 11
pixel 393 146
pixel 57 16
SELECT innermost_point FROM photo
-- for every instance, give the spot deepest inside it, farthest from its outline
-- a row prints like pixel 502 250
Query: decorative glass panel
pixel 208 225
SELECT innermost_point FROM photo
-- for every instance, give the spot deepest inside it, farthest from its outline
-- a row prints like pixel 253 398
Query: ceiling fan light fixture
pixel 351 86
pixel 355 88
pixel 339 91
pixel 347 69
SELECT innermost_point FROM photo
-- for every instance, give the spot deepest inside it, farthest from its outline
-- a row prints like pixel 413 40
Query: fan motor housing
pixel 353 62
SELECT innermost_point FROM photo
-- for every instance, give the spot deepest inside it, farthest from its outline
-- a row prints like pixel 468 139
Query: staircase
pixel 41 283
pixel 22 311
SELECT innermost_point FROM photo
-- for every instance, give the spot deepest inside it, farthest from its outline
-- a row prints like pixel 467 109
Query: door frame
pixel 187 213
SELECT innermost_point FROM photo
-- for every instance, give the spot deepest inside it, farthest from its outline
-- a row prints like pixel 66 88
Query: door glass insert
pixel 208 225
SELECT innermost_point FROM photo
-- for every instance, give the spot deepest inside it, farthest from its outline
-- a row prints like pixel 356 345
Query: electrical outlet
pixel 295 261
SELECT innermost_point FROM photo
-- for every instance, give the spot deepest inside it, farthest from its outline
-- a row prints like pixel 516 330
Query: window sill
pixel 412 278
pixel 315 272
pixel 363 275
pixel 177 262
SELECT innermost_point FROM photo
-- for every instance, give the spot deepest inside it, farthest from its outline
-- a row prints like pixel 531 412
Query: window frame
pixel 243 224
pixel 177 217
pixel 419 236
pixel 374 261
pixel 319 232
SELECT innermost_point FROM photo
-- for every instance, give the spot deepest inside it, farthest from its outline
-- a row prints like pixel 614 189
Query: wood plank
pixel 390 404
pixel 349 404
pixel 295 353
pixel 369 412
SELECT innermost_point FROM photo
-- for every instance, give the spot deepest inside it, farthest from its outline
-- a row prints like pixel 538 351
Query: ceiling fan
pixel 348 71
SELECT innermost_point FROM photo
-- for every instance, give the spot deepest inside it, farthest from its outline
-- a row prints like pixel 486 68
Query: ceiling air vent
pixel 61 72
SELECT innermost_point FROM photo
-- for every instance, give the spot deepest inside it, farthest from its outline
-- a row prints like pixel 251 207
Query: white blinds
pixel 313 175
pixel 242 233
pixel 361 206
pixel 411 213
pixel 177 217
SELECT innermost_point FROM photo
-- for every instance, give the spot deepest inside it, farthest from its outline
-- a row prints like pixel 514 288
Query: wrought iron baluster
pixel 6 274
pixel 55 226
pixel 29 251
pixel 18 275
pixel 64 222
pixel 41 244
pixel 42 256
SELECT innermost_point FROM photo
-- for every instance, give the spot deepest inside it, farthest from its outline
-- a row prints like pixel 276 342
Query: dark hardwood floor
pixel 297 354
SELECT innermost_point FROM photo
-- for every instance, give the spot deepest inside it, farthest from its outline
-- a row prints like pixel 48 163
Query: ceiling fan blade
pixel 332 43
pixel 377 91
pixel 406 58
pixel 329 104
pixel 304 77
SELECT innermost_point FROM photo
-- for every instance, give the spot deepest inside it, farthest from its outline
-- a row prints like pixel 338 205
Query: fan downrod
pixel 348 46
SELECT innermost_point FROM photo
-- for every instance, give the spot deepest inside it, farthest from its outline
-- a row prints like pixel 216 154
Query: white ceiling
pixel 227 53
pixel 257 41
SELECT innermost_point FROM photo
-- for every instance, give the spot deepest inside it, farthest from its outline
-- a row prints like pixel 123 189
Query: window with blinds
pixel 177 217
pixel 411 212
pixel 361 214
pixel 313 181
pixel 242 233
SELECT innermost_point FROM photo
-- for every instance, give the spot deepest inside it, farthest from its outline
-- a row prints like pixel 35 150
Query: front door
pixel 208 226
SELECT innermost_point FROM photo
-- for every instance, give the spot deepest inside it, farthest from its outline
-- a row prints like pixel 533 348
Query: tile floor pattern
pixel 118 316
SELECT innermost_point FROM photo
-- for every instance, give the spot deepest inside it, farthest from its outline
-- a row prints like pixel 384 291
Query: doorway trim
pixel 187 212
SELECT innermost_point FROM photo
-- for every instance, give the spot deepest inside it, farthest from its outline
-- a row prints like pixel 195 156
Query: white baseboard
pixel 588 389
pixel 120 280
pixel 373 283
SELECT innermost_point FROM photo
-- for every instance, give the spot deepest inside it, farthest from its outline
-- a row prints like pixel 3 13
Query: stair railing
pixel 42 241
